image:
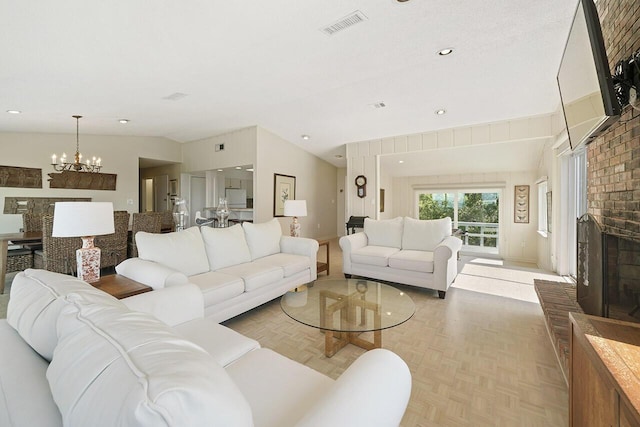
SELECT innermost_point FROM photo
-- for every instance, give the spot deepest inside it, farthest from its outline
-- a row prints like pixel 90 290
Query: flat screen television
pixel 584 79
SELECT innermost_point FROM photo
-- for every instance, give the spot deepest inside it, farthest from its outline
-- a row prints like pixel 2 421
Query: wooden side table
pixel 324 266
pixel 120 286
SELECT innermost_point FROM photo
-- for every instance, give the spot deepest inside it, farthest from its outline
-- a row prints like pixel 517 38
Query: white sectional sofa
pixel 72 355
pixel 404 250
pixel 236 268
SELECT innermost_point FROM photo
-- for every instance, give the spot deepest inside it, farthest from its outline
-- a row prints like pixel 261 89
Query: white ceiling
pixel 266 63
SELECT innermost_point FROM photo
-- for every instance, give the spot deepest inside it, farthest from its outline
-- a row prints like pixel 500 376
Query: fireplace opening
pixel 608 279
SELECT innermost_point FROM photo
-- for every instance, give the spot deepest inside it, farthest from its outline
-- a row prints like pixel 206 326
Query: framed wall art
pixel 284 188
pixel 521 204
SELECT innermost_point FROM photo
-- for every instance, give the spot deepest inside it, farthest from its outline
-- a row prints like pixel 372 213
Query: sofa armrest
pixel 151 273
pixel 445 262
pixel 301 246
pixel 373 391
pixel 173 305
pixel 348 244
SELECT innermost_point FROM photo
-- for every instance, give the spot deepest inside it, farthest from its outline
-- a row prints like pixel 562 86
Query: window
pixel 542 207
pixel 473 211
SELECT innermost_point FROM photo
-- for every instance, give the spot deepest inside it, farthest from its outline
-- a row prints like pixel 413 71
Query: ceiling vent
pixel 344 23
pixel 175 96
pixel 379 105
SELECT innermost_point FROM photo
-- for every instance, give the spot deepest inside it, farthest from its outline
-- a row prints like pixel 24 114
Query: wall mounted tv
pixel 586 88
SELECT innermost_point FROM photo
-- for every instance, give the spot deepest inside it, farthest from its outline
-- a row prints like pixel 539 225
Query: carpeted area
pixel 557 299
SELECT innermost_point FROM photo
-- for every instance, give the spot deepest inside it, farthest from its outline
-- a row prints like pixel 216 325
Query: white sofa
pixel 75 356
pixel 236 268
pixel 404 250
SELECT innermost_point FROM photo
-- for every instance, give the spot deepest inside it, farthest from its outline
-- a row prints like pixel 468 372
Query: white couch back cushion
pixel 384 232
pixel 181 250
pixel 424 235
pixel 114 367
pixel 225 246
pixel 264 238
pixel 37 297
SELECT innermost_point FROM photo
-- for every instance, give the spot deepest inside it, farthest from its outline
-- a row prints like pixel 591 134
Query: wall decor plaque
pixel 284 188
pixel 83 180
pixel 521 204
pixel 13 176
pixel 36 205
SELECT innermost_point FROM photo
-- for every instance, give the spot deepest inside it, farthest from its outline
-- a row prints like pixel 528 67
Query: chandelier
pixel 91 165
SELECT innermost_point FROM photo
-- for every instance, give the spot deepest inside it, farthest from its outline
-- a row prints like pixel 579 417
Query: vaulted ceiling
pixel 187 70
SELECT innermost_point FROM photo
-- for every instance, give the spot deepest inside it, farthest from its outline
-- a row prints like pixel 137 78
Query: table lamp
pixel 295 208
pixel 85 220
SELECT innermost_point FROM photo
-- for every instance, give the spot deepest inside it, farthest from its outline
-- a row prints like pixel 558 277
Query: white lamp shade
pixel 295 208
pixel 78 219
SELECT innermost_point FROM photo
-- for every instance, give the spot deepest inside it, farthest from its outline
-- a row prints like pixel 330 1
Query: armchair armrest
pixel 173 305
pixel 348 244
pixel 445 262
pixel 373 391
pixel 151 273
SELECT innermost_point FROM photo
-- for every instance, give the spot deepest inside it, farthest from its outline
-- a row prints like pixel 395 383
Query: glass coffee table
pixel 345 308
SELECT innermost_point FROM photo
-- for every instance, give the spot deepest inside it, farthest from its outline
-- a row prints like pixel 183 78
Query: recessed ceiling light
pixel 441 111
pixel 338 156
pixel 124 121
pixel 249 169
pixel 220 170
pixel 400 161
pixel 14 111
pixel 306 137
pixel 238 167
pixel 402 1
pixel 445 52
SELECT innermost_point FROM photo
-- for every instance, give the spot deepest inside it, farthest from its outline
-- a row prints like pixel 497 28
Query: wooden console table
pixel 604 381
pixel 324 266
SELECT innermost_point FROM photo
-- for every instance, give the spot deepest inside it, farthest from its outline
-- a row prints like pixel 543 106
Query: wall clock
pixel 361 185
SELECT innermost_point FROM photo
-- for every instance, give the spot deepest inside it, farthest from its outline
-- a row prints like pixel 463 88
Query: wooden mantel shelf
pixel 604 384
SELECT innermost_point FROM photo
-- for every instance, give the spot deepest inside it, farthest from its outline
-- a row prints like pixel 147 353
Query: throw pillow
pixel 384 232
pixel 264 238
pixel 181 250
pixel 425 235
pixel 225 246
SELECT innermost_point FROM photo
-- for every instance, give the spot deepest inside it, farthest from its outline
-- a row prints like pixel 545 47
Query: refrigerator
pixel 236 198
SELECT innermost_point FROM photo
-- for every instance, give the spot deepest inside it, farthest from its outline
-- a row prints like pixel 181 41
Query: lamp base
pixel 88 261
pixel 294 228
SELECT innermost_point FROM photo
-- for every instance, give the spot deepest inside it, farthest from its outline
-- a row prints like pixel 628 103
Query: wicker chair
pixel 168 224
pixel 58 253
pixel 31 222
pixel 114 246
pixel 151 222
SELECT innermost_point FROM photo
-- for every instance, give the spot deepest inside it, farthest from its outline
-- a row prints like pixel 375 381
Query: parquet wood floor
pixel 481 357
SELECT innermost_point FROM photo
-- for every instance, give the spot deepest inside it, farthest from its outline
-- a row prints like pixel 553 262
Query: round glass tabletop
pixel 348 305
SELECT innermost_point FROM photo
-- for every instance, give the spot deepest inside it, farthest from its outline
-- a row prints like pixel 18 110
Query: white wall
pixel 119 156
pixel 341 202
pixel 315 183
pixel 239 149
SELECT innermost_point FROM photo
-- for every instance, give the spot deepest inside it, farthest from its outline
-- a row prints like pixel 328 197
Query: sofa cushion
pixel 181 250
pixel 263 238
pixel 373 255
pixel 113 367
pixel 217 287
pixel 37 297
pixel 264 373
pixel 255 274
pixel 424 235
pixel 225 246
pixel 412 260
pixel 384 232
pixel 25 399
pixel 224 344
pixel 290 263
